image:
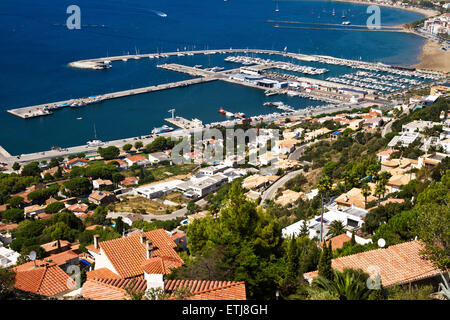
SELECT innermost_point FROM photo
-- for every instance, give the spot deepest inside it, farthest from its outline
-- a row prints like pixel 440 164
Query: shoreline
pixel 426 12
pixel 433 58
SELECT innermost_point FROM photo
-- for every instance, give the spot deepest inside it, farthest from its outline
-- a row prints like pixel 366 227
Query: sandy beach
pixel 433 58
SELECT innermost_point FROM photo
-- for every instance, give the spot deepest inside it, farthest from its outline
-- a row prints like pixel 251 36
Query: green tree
pixel 325 269
pixel 366 192
pixel 120 226
pixel 245 242
pixel 127 147
pixel 16 202
pixel 380 190
pixel 54 207
pixel 109 153
pixel 138 145
pixel 433 228
pixel 31 169
pixel 304 230
pixel 78 186
pixel 347 285
pixel 39 195
pixel 336 228
pixel 13 215
pixel 7 281
pixel 16 166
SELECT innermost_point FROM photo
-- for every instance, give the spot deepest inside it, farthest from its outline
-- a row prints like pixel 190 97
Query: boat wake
pixel 159 13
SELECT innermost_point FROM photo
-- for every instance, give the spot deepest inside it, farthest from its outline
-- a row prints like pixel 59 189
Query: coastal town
pixel 344 189
pixel 344 199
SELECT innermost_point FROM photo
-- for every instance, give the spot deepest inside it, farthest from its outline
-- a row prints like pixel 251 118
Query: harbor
pixel 275 82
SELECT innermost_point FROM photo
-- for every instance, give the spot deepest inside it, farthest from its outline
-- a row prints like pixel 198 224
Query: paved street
pixel 269 194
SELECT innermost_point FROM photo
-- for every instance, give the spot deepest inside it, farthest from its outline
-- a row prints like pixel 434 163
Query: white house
pixel 138 160
pixel 157 157
pixel 351 218
pixel 8 257
pixel 158 189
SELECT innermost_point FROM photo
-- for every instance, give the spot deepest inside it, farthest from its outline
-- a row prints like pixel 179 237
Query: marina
pixel 255 66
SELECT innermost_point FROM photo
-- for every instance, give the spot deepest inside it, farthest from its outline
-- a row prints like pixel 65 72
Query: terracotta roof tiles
pixel 397 264
pixel 45 280
pixel 127 254
pixel 114 289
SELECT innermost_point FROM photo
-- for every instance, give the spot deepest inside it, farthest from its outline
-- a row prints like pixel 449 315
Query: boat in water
pixel 95 142
pixel 80 118
pixel 346 23
pixel 162 129
pixel 239 115
pixel 222 111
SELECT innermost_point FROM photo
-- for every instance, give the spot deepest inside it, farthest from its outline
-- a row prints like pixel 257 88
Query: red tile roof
pixel 78 207
pixel 54 245
pixel 102 273
pixel 76 160
pixel 398 264
pixel 129 181
pixel 48 280
pixel 137 158
pixel 61 258
pixel 338 241
pixel 114 289
pixel 160 265
pixel 128 254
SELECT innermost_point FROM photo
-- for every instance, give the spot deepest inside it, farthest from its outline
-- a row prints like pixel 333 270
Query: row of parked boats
pixel 298 68
pixel 361 83
pixel 379 67
pixel 279 105
pixel 388 77
pixel 276 64
pixel 86 101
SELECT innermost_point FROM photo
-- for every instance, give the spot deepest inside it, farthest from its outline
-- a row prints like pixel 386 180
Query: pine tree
pixel 304 231
pixel 353 240
pixel 325 269
pixel 293 263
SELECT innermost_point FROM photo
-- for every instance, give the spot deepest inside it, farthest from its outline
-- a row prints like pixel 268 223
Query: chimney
pixel 96 236
pixel 149 247
pixel 143 238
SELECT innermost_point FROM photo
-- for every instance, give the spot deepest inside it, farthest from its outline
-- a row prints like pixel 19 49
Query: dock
pixel 184 123
pixel 202 74
pixel 46 109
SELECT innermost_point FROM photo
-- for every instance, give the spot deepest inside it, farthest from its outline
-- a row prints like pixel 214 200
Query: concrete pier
pixel 183 123
pixel 40 110
pixel 206 75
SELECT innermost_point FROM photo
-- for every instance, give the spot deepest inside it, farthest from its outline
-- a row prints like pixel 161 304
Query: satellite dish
pixel 32 255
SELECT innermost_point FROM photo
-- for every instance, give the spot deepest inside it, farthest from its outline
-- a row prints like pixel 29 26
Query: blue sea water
pixel 36 48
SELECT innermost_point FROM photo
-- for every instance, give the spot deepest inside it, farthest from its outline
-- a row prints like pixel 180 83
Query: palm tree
pixel 380 190
pixel 336 228
pixel 347 285
pixel 366 192
pixel 372 172
pixel 384 177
